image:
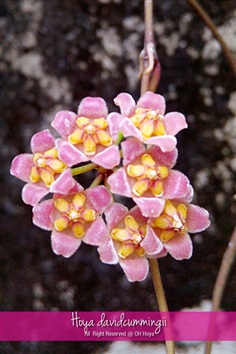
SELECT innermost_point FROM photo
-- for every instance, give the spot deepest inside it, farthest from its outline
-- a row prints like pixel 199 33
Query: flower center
pixel 46 166
pixel 73 214
pixel 149 122
pixel 148 176
pixel 129 238
pixel 171 222
pixel 90 133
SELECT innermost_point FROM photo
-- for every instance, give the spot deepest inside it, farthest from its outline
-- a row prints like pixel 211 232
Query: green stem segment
pixel 82 169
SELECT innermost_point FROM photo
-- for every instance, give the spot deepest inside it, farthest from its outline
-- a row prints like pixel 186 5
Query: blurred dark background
pixel 54 53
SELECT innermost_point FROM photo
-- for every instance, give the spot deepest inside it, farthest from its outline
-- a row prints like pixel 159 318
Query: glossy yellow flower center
pixel 90 133
pixel 73 214
pixel 148 176
pixel 149 122
pixel 129 237
pixel 171 222
pixel 46 166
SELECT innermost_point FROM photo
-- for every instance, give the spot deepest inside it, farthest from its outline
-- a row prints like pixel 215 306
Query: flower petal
pixel 21 166
pixel 174 122
pixel 114 120
pixel 98 198
pixel 33 193
pixel 176 185
pixel 153 101
pixel 167 159
pixel 42 141
pixel 197 219
pixel 151 243
pixel 108 253
pixel 97 233
pixel 64 243
pixel 135 268
pixel 128 128
pixel 126 103
pixel 150 207
pixel 64 123
pixel 108 158
pixel 131 148
pixel 119 183
pixel 69 153
pixel 64 183
pixel 114 213
pixel 165 142
pixel 180 247
pixel 43 214
pixel 92 107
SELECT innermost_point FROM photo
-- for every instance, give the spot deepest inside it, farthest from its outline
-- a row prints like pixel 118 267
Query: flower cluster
pixel 141 167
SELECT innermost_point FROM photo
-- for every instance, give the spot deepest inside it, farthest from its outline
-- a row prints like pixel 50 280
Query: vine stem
pixel 161 299
pixel 207 20
pixel 150 69
pixel 226 264
pixel 150 76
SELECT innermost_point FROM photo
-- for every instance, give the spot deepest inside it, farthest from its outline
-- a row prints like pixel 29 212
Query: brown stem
pixel 226 264
pixel 149 64
pixel 161 299
pixel 207 20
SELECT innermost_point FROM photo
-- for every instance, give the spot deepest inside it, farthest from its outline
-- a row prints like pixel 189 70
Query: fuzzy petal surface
pixel 167 159
pixel 151 243
pixel 176 185
pixel 64 183
pixel 43 214
pixel 99 198
pixel 21 166
pixel 135 268
pixel 180 247
pixel 126 103
pixel 108 158
pixel 64 123
pixel 114 120
pixel 131 148
pixel 197 219
pixel 108 253
pixel 69 153
pixel 64 244
pixel 128 128
pixel 92 107
pixel 165 142
pixel 97 233
pixel 150 207
pixel 33 193
pixel 42 141
pixel 153 101
pixel 114 213
pixel 119 183
pixel 174 122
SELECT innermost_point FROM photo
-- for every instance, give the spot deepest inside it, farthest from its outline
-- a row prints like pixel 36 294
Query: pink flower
pixel 131 241
pixel 74 218
pixel 173 225
pixel 43 171
pixel 146 120
pixel 147 177
pixel 87 136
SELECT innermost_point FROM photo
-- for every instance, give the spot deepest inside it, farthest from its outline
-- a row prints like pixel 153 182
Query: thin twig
pixel 204 16
pixel 226 264
pixel 149 63
pixel 161 299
